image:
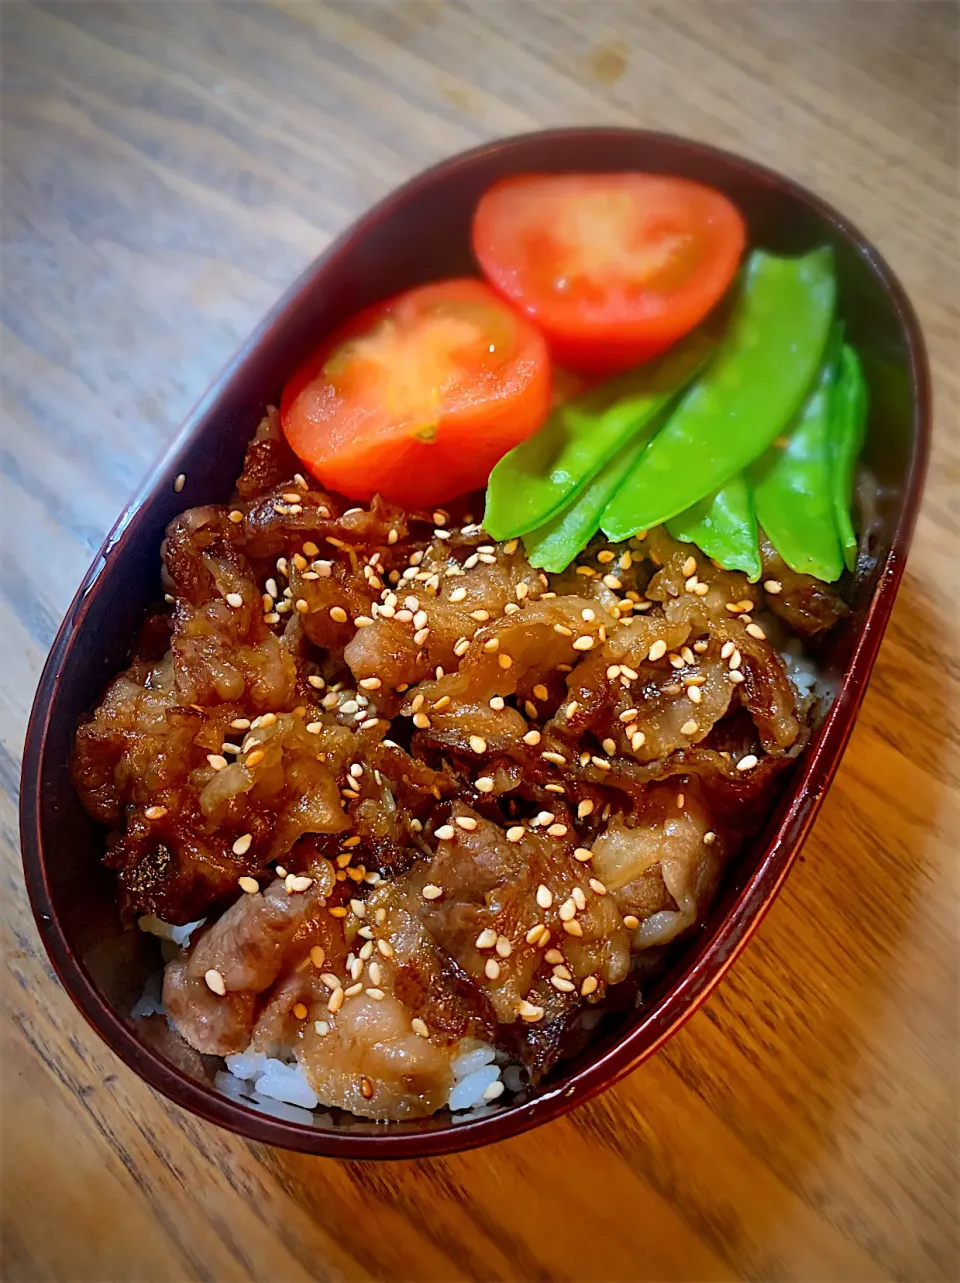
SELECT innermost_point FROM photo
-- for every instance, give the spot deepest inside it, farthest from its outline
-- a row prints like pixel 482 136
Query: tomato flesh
pixel 612 268
pixel 418 396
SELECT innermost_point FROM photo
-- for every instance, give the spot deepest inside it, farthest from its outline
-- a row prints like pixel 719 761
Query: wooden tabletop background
pixel 168 168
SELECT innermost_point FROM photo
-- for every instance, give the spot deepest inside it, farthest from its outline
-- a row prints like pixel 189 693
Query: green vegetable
pixel 794 498
pixel 724 526
pixel 848 427
pixel 554 545
pixel 747 395
pixel 539 476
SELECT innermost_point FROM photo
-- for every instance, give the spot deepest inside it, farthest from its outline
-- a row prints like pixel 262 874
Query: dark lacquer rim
pixel 745 914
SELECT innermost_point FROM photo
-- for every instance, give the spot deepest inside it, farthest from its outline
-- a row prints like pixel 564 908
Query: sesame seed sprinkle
pixel 214 982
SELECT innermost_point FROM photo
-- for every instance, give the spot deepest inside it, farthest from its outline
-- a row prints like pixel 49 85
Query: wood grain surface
pixel 168 168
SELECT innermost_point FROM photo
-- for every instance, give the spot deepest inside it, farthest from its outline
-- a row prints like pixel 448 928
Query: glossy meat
pixel 477 793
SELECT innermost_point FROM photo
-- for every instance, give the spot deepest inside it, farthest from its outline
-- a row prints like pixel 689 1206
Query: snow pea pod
pixel 848 428
pixel 794 497
pixel 748 394
pixel 724 526
pixel 542 474
pixel 554 545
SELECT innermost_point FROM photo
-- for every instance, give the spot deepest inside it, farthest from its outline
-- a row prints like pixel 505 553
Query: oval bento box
pixel 419 233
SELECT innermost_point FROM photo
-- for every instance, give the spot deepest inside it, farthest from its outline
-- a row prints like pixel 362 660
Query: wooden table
pixel 168 169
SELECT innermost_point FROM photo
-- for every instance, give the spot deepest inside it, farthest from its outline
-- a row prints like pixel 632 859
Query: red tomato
pixel 418 396
pixel 612 268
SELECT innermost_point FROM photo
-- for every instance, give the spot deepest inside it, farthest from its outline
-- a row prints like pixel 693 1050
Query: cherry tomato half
pixel 418 396
pixel 612 268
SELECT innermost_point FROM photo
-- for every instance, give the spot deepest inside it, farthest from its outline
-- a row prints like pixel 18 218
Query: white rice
pixel 801 670
pixel 167 931
pixel 252 1074
pixel 277 1085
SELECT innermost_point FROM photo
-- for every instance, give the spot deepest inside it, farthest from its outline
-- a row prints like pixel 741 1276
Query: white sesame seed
pixel 497 703
pixel 557 830
pixel 568 910
pixel 657 650
pixel 747 763
pixel 478 744
pixel 445 832
pixel 736 659
pixel 694 694
pixel 515 834
pixel 217 762
pixel 484 784
pixel 532 738
pixel 369 683
pixel 544 896
pixel 583 643
pixel 689 728
pixel 529 1012
pixel 466 822
pixel 491 969
pixel 535 932
pixel 385 947
pixel 421 721
pixel 756 631
pixel 737 677
pixel 631 922
pixel 336 1000
pixel 242 844
pixel 486 939
pixel 709 838
pixel 727 649
pixel 589 986
pixel 214 982
pixel 155 812
pixel 583 854
pixel 180 482
pixel 419 1027
pixel 573 928
pixel 773 586
pixel 338 614
pixel 584 809
pixel 432 892
pixel 609 746
pixel 250 885
pixel 556 758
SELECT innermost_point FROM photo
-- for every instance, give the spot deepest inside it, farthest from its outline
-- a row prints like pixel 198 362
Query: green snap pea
pixel 848 429
pixel 794 496
pixel 724 526
pixel 553 546
pixel 747 395
pixel 537 478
